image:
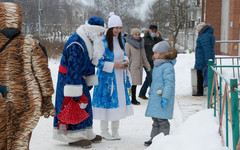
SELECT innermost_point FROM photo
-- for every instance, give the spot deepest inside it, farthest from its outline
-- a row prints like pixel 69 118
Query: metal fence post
pixel 210 79
pixel 235 115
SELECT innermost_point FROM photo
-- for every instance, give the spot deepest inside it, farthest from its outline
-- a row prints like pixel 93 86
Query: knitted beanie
pixel 161 47
pixel 114 20
pixel 200 26
pixel 134 31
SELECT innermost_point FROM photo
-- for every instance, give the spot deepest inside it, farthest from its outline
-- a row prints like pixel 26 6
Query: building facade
pixel 223 15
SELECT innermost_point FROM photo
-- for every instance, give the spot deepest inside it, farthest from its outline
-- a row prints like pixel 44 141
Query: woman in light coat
pixel 137 58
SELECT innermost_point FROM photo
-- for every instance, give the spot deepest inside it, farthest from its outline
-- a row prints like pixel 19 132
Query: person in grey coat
pixel 137 59
pixel 162 92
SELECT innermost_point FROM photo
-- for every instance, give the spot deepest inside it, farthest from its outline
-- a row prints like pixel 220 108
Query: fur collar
pixel 88 43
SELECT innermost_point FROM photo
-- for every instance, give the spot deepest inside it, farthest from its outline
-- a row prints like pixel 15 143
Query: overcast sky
pixel 142 10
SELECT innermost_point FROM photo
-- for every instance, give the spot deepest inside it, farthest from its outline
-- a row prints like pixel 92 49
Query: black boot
pixel 148 143
pixel 197 94
pixel 134 100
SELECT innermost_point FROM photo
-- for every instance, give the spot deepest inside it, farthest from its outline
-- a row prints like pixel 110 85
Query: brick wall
pixel 213 17
pixel 213 10
pixel 233 27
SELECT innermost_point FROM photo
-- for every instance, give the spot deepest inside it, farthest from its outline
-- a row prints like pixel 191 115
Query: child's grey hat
pixel 161 47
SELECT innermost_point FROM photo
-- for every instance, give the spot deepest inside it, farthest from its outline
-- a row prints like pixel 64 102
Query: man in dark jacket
pixel 151 38
pixel 204 52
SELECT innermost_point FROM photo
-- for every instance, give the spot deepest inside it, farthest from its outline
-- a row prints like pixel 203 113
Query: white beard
pixel 98 46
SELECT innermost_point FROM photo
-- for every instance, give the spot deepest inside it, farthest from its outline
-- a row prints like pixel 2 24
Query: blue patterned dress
pixel 110 97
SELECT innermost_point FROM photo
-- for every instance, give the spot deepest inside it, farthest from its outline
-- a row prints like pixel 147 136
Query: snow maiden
pixel 111 101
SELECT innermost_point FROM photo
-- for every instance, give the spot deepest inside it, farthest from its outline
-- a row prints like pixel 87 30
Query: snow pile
pixel 198 132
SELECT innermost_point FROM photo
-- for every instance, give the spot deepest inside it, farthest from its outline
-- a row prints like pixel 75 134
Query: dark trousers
pixel 147 83
pixel 199 82
pixel 133 89
pixel 160 126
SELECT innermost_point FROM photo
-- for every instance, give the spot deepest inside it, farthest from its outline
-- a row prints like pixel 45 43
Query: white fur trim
pixel 88 43
pixel 82 105
pixel 91 80
pixel 73 90
pixel 75 43
pixel 94 28
pixel 73 136
pixel 112 89
pixel 108 67
pixel 95 61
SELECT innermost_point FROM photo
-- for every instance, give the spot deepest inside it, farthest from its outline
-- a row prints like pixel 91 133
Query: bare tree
pixel 169 15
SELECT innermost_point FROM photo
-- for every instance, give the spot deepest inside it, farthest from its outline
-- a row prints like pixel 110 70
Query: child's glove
pixel 163 102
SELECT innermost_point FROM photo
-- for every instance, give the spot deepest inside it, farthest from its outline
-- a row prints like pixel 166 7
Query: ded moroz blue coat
pixel 77 71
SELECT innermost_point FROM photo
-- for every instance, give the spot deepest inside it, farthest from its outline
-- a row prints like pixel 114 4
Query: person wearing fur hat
pixel 204 52
pixel 137 59
pixel 74 119
pixel 25 82
pixel 111 101
pixel 162 92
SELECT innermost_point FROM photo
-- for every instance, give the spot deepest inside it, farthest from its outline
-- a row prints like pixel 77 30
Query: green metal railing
pixel 228 101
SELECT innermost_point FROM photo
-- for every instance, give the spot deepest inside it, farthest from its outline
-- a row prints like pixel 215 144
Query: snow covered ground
pixel 189 130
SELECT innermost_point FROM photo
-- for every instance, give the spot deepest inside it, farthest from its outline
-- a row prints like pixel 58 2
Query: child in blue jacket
pixel 162 92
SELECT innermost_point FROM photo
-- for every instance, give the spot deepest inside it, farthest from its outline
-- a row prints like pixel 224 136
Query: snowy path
pixel 189 105
pixel 135 129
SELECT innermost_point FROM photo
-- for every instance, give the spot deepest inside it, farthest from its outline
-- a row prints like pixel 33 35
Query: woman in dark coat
pixel 204 52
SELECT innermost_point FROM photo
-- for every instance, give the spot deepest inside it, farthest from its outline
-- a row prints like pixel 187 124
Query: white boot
pixel 104 130
pixel 115 126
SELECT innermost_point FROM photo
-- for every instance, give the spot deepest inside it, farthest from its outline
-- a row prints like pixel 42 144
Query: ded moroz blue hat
pixel 95 25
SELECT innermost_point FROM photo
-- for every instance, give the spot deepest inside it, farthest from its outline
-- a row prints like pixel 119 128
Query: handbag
pixel 71 113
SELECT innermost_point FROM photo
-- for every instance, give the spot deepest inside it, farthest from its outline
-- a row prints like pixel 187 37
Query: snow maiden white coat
pixel 110 97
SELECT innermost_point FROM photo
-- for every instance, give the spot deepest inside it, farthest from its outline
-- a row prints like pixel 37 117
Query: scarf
pixel 138 44
pixel 158 62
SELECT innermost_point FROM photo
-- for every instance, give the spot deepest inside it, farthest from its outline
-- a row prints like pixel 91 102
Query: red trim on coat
pixel 62 69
